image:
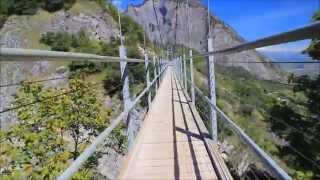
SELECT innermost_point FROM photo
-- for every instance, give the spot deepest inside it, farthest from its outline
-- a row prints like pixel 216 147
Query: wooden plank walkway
pixel 170 145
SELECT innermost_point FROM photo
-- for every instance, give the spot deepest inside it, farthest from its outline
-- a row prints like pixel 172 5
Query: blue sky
pixel 254 19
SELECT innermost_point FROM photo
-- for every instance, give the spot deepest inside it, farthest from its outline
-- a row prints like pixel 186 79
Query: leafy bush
pixel 314 48
pixel 58 41
pixel 52 132
pixel 85 66
pixel 133 52
pixel 80 42
pixel 3 19
pixel 30 7
pixel 131 30
pixel 112 83
pixel 110 49
pixel 56 5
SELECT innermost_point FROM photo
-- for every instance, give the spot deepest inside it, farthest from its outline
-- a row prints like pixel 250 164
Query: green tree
pixel 314 48
pixel 52 131
pixel 300 126
pixel 30 7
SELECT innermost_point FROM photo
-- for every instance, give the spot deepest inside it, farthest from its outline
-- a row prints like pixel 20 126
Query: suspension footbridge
pixel 173 142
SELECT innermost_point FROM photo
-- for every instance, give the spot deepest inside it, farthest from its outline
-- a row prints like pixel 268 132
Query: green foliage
pixel 246 100
pixel 19 7
pixel 302 126
pixel 300 175
pixel 30 7
pixel 56 5
pixel 109 8
pixel 80 42
pixel 131 30
pixel 120 140
pixel 63 41
pixel 314 48
pixel 112 83
pixel 316 16
pixel 110 49
pixel 133 52
pixel 38 146
pixel 60 41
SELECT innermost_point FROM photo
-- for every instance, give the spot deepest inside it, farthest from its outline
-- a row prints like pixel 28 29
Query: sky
pixel 254 19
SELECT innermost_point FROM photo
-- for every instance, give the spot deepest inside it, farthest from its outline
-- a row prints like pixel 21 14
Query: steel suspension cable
pixel 157 21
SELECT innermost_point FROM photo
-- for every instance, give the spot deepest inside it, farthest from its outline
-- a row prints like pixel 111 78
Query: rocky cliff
pixel 172 18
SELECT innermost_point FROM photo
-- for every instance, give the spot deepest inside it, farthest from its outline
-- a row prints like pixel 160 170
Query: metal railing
pixel 257 150
pixel 20 55
pixel 17 54
pixel 76 165
pixel 308 32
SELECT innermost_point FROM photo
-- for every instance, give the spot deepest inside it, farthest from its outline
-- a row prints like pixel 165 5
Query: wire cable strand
pixel 32 82
pixel 47 98
pixel 303 156
pixel 157 21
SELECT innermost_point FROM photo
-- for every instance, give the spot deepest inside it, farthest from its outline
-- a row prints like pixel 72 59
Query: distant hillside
pixel 296 68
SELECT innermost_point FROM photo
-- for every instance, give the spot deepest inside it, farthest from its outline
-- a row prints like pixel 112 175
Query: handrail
pixel 17 54
pixel 307 32
pixel 274 167
pixel 76 165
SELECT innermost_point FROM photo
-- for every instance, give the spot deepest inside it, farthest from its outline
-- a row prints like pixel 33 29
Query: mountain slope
pixel 24 31
pixel 173 27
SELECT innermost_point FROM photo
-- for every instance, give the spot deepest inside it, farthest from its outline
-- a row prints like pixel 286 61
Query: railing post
pixel 181 69
pixel 193 97
pixel 212 87
pixel 146 63
pixel 184 72
pixel 126 91
pixel 162 65
pixel 160 62
pixel 158 69
pixel 155 71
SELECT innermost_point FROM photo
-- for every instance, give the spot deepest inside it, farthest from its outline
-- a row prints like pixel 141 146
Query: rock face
pixel 97 24
pixel 172 18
